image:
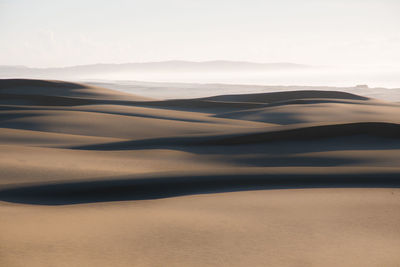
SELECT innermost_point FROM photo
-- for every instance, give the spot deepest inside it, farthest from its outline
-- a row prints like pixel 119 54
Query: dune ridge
pixel 285 96
pixel 314 132
pixel 200 128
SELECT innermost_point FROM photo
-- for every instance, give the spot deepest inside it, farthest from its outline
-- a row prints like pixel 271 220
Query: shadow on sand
pixel 155 188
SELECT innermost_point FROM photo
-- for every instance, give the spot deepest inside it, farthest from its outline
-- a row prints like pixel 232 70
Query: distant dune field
pixel 90 176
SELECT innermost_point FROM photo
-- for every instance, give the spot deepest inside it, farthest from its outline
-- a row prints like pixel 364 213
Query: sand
pixel 94 177
pixel 311 227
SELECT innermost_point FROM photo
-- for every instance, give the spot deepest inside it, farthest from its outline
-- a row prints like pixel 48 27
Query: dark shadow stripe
pixel 156 188
pixel 309 133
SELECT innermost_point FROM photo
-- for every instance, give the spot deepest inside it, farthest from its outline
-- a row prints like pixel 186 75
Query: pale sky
pixel 50 33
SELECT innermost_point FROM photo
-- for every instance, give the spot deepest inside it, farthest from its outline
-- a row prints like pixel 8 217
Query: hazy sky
pixel 321 32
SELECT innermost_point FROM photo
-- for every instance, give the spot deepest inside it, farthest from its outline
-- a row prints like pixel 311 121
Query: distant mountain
pixel 162 66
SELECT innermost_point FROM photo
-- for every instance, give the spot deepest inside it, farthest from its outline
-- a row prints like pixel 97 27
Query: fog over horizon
pixel 222 72
pixel 350 34
pixel 339 42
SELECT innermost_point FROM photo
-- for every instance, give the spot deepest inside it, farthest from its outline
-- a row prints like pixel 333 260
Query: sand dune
pixel 94 177
pixel 317 111
pixel 62 89
pixel 285 96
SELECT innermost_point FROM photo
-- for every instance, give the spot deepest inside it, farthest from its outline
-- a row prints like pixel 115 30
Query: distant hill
pixel 162 66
